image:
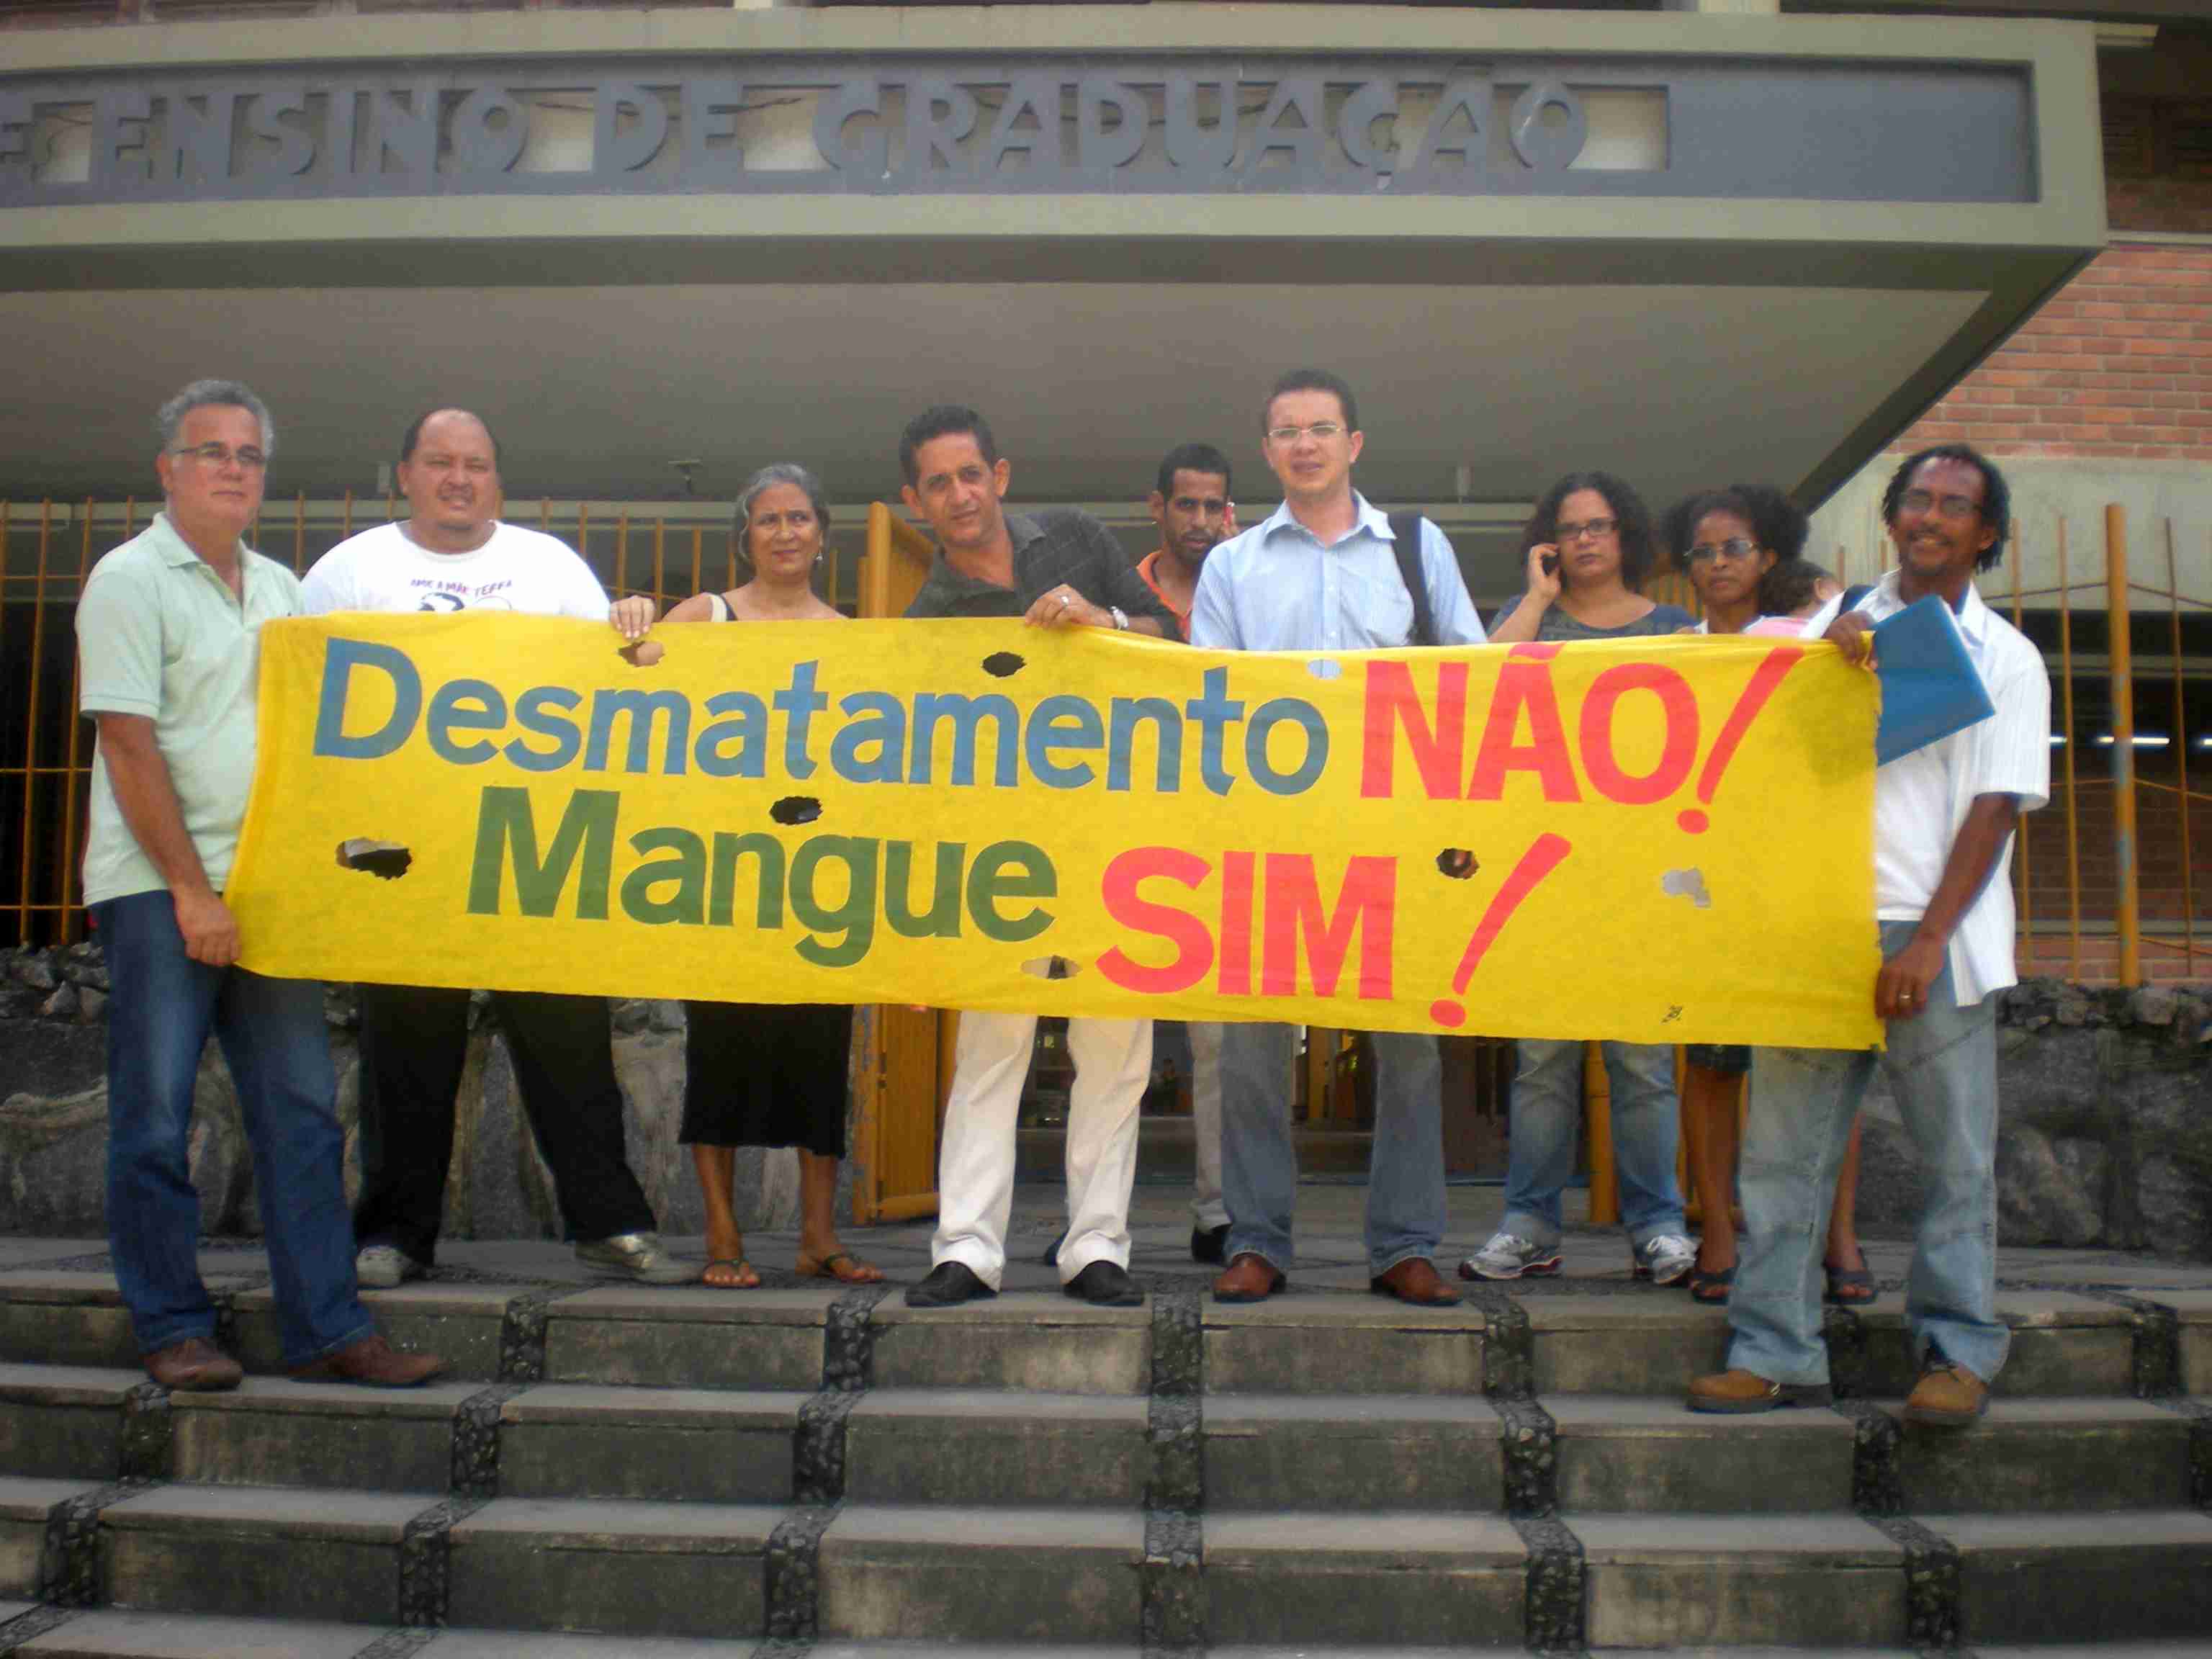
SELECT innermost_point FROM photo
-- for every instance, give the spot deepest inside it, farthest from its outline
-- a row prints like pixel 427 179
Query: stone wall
pixel 2105 1134
pixel 2106 1137
pixel 53 1119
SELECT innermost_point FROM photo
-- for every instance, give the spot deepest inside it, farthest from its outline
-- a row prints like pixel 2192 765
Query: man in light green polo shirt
pixel 168 653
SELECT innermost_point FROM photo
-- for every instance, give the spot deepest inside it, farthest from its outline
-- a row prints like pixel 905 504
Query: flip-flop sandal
pixel 845 1269
pixel 741 1269
pixel 1849 1287
pixel 1711 1288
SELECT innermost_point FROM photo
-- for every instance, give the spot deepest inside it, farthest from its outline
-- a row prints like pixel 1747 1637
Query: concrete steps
pixel 622 1470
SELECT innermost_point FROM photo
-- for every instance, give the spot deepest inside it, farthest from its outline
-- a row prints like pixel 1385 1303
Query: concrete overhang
pixel 1688 248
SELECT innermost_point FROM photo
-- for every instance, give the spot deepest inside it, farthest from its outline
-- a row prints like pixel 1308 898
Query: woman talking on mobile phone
pixel 1588 546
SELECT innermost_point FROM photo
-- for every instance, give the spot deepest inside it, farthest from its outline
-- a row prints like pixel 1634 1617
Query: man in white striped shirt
pixel 1943 822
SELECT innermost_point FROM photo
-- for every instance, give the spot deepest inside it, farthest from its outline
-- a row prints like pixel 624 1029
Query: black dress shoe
pixel 1051 1256
pixel 1210 1244
pixel 949 1285
pixel 1107 1284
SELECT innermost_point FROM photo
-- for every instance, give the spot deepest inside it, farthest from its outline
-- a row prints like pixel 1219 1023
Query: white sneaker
pixel 1509 1255
pixel 1665 1258
pixel 636 1257
pixel 385 1266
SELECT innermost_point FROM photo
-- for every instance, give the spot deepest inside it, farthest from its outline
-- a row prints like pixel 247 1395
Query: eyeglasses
pixel 1591 529
pixel 1736 547
pixel 1320 431
pixel 249 460
pixel 1948 506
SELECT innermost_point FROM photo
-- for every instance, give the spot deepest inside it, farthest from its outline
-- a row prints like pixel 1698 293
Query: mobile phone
pixel 1551 563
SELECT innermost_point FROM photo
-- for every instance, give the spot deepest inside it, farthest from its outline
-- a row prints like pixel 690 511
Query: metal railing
pixel 2107 915
pixel 2083 885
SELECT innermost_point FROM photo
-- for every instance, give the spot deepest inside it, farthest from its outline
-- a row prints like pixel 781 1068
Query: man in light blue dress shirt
pixel 1322 574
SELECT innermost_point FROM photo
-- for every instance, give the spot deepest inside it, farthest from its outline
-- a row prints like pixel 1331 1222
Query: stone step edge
pixel 1175 1430
pixel 851 1326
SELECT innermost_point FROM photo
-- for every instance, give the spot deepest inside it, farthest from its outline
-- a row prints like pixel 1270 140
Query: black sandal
pixel 1849 1287
pixel 1710 1288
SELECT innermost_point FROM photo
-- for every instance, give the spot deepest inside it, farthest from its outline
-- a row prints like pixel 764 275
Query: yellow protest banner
pixel 1657 840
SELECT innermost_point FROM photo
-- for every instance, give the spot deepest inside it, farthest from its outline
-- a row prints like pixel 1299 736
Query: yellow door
pixel 903 1058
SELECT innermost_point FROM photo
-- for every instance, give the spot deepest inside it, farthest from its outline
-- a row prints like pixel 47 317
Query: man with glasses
pixel 1943 822
pixel 1324 573
pixel 452 554
pixel 167 635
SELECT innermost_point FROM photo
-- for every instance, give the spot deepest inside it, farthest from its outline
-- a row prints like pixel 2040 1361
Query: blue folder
pixel 1928 686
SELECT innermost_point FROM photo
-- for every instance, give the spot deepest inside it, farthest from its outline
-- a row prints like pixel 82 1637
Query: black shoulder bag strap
pixel 1405 543
pixel 1853 597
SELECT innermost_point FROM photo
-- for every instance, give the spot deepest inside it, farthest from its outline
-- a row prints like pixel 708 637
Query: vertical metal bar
pixel 31 704
pixel 2181 757
pixel 345 522
pixel 2073 816
pixel 2026 886
pixel 67 934
pixel 730 585
pixel 2121 654
pixel 300 535
pixel 584 531
pixel 621 551
pixel 545 513
pixel 660 566
pixel 129 517
pixel 698 548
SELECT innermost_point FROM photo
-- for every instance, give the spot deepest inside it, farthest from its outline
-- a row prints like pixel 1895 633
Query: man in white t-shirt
pixel 452 554
pixel 1944 816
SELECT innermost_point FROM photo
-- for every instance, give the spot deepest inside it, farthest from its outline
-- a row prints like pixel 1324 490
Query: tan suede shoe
pixel 1947 1396
pixel 1740 1390
pixel 194 1365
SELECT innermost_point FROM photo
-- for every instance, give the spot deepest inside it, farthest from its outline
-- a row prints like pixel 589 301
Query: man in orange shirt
pixel 1192 507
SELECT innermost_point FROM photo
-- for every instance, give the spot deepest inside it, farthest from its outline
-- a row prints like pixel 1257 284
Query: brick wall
pixel 2118 365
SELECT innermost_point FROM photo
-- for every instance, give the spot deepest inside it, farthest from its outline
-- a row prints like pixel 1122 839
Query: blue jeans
pixel 279 1049
pixel 1547 1115
pixel 1259 1163
pixel 1943 1069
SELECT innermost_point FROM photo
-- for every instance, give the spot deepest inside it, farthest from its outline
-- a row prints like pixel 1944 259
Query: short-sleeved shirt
pixel 1059 544
pixel 161 635
pixel 517 569
pixel 1921 799
pixel 1558 626
pixel 1277 587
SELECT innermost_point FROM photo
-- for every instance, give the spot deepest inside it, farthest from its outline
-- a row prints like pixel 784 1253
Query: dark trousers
pixel 413 1042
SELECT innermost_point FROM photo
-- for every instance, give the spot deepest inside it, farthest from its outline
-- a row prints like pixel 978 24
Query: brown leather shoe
pixel 372 1362
pixel 194 1365
pixel 1740 1390
pixel 1947 1396
pixel 1416 1280
pixel 1249 1278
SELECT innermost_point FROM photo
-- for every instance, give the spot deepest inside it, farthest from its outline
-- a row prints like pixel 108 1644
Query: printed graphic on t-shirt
pixel 436 594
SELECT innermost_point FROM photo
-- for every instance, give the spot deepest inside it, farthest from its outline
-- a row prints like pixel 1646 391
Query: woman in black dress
pixel 770 1074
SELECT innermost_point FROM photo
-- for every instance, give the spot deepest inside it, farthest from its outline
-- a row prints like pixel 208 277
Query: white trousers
pixel 975 1168
pixel 1207 1210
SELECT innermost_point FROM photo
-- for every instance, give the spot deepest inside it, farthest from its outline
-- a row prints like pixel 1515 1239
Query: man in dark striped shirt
pixel 1055 569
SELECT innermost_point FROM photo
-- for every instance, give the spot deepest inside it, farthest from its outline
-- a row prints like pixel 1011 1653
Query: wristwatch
pixel 1120 617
